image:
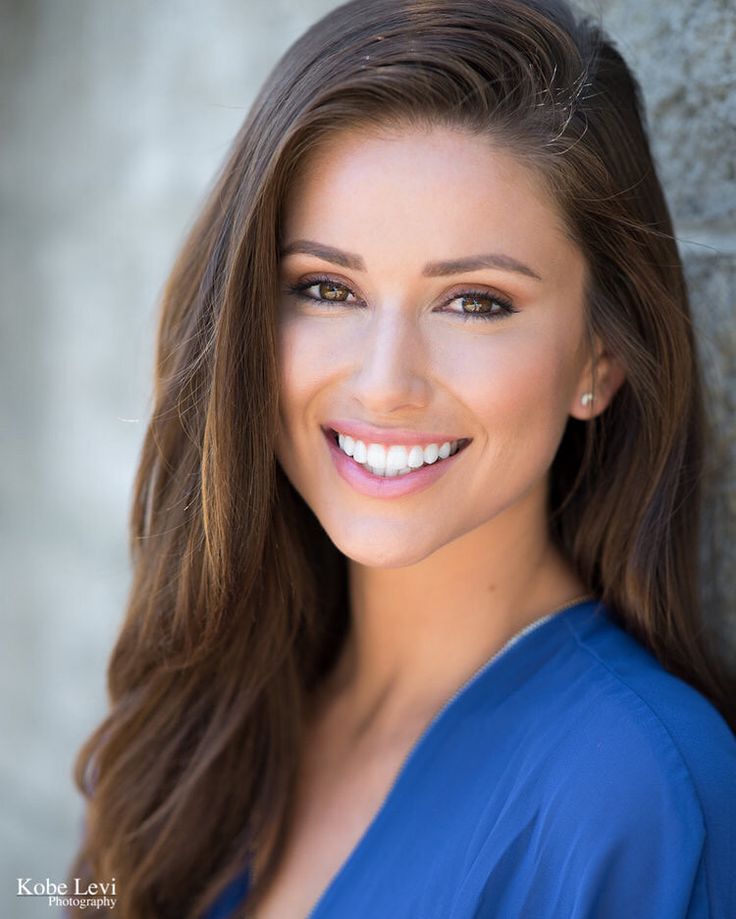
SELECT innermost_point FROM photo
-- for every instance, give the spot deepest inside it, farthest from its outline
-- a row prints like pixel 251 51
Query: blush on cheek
pixel 521 406
pixel 310 354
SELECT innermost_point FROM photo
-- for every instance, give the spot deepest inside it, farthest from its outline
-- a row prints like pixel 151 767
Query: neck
pixel 419 632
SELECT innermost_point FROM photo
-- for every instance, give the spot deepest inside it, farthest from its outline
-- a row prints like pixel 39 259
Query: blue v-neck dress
pixel 571 777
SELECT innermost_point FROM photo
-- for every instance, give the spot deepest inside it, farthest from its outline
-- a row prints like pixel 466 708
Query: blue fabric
pixel 571 777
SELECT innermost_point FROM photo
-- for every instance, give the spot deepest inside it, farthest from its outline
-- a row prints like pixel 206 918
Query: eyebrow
pixel 328 253
pixel 430 270
pixel 474 262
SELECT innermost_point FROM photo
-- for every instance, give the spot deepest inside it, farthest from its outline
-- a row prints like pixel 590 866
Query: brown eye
pixel 479 304
pixel 323 290
pixel 329 291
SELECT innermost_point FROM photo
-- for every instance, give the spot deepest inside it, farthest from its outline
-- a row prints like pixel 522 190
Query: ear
pixel 599 380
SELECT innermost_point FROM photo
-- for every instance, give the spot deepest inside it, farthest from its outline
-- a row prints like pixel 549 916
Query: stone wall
pixel 114 117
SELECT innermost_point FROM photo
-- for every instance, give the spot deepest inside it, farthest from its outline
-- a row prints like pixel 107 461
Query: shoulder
pixel 647 772
pixel 645 718
pixel 619 790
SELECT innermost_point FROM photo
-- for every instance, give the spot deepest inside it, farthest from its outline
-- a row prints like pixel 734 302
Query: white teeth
pixel 395 459
pixel 416 458
pixel 348 444
pixel 431 452
pixel 376 456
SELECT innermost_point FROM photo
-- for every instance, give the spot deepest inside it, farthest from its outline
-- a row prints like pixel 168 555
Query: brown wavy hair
pixel 238 605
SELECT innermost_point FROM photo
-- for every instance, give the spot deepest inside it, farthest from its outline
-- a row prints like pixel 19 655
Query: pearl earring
pixel 587 398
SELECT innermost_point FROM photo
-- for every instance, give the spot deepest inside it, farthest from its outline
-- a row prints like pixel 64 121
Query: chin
pixel 381 549
pixel 381 558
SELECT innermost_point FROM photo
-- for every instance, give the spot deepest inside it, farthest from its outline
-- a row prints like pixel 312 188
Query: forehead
pixel 407 186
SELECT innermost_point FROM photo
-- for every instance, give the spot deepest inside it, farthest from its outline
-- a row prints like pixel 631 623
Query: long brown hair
pixel 238 603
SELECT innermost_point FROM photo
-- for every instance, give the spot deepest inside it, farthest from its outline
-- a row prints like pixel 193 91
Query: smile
pixel 390 469
pixel 395 459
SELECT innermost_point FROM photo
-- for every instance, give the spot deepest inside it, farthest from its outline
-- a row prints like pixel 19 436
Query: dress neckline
pixel 534 628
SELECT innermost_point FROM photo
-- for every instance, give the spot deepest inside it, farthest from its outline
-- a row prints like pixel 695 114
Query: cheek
pixel 314 353
pixel 517 387
pixel 306 366
pixel 302 360
pixel 516 366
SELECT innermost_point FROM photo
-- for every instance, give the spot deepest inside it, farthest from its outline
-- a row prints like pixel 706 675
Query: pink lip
pixel 370 434
pixel 375 486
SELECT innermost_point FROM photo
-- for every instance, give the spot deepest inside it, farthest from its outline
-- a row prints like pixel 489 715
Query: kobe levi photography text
pixel 80 892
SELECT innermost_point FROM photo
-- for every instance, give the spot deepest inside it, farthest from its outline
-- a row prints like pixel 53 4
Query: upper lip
pixel 372 434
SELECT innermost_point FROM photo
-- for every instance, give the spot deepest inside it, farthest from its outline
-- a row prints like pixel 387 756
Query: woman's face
pixel 432 313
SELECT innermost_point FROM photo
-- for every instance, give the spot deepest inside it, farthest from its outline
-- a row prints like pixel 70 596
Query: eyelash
pixel 507 308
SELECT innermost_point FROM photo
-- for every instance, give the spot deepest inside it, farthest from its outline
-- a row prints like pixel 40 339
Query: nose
pixel 392 370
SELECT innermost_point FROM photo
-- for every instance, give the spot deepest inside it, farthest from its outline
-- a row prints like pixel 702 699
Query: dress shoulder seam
pixel 675 746
pixel 645 702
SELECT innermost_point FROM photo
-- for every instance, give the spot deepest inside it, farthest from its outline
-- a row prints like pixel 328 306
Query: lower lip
pixel 376 486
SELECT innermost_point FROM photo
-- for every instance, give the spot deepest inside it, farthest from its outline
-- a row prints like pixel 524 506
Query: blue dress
pixel 572 777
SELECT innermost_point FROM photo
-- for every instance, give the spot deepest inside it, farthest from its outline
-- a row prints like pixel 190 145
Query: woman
pixel 414 628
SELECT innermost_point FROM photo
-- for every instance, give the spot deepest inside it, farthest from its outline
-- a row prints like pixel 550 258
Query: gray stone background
pixel 114 115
